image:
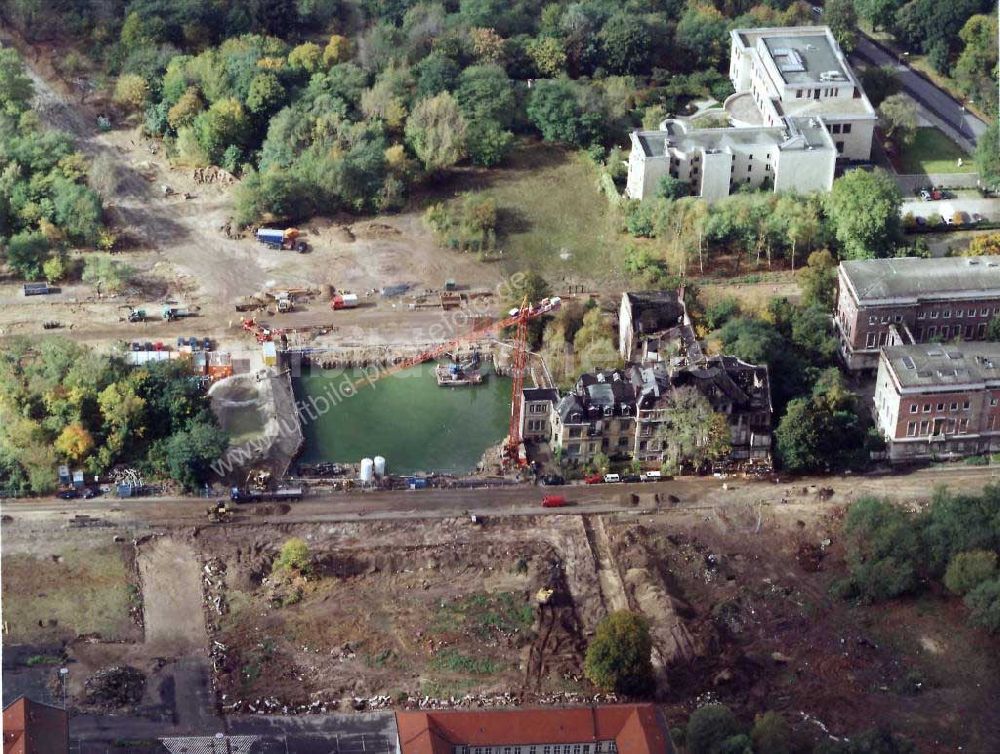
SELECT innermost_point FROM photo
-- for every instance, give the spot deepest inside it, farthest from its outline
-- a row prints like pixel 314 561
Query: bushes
pixel 619 656
pixel 968 570
pixel 466 226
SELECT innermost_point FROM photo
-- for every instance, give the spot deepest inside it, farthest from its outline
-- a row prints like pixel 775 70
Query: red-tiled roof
pixel 34 728
pixel 635 728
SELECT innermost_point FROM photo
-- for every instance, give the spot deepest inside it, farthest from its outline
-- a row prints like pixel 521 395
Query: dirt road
pixel 171 583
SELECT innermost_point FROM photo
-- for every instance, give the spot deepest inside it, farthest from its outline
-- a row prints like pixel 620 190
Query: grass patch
pixel 933 152
pixel 551 215
pixel 485 615
pixel 85 591
pixel 42 660
pixel 452 661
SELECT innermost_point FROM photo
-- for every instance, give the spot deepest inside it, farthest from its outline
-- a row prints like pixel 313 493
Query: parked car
pixel 89 493
pixel 976 217
pixel 552 480
pixel 554 501
pixel 925 195
pixel 69 494
pixel 631 478
pixel 652 476
pixel 594 479
pixel 920 220
pixel 612 478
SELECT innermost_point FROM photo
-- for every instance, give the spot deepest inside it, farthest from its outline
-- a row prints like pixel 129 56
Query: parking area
pixel 987 209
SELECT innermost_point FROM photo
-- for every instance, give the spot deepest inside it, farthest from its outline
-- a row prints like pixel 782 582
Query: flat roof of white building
pixel 801 133
pixel 910 278
pixel 805 57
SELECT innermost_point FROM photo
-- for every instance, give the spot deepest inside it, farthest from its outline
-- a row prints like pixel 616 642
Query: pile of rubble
pixel 213 174
pixel 213 579
pixel 114 687
pixel 272 706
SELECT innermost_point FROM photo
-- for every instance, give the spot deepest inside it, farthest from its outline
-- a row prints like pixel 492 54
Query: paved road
pixel 965 126
pixel 988 208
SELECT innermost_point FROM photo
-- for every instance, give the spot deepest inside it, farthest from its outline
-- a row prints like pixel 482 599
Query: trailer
pixel 38 289
pixel 171 313
pixel 282 494
pixel 277 238
pixel 344 301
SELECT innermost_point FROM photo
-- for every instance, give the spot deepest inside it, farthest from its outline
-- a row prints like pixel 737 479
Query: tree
pixel 337 50
pixel 436 132
pixel 703 33
pixel 548 56
pixel 78 210
pixel 54 268
pixel 627 43
pixel 821 432
pixel 883 550
pixel 294 556
pixel 74 442
pixel 225 123
pixel 103 271
pixel 487 45
pixel 131 91
pixel 879 82
pixel 691 432
pixel 974 70
pixel 708 727
pixel 799 219
pixel 554 109
pixel 993 330
pixel 16 89
pixel 967 570
pixel 898 117
pixel 185 109
pixel 771 733
pixel 485 92
pixel 266 94
pixel 988 157
pixel 188 455
pixel 984 606
pixel 980 246
pixel 960 523
pixel 619 657
pixel 864 209
pixel 307 57
pixel 26 253
pixel 842 19
pixel 435 73
pixel 669 187
pixel 488 143
pixel 878 13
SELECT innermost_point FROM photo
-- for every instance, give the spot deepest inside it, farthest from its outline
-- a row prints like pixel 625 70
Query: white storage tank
pixel 367 467
pixel 379 467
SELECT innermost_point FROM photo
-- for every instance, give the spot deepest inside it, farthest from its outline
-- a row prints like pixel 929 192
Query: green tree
pixel 708 727
pixel 619 657
pixel 988 157
pixel 294 556
pixel 183 112
pixel 132 91
pixel 818 280
pixel 771 733
pixel 548 56
pixel 967 570
pixel 691 432
pixel 486 93
pixel 703 33
pixel 105 272
pixel 898 117
pixel 975 70
pixel 879 82
pixel 842 19
pixel 488 143
pixel 225 123
pixel 993 330
pixel 188 454
pixel 555 110
pixel 435 73
pixel 78 210
pixel 957 523
pixel 436 132
pixel 266 94
pixel 26 253
pixel 669 187
pixel 864 209
pixel 984 606
pixel 883 550
pixel 627 43
pixel 307 57
pixel 878 13
pixel 821 432
pixel 16 89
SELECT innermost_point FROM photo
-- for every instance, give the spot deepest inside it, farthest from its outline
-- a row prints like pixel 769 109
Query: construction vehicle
pixel 276 238
pixel 134 315
pixel 261 333
pixel 171 313
pixel 220 512
pixel 285 302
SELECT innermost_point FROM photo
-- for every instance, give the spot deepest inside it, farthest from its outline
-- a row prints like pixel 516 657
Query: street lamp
pixel 63 677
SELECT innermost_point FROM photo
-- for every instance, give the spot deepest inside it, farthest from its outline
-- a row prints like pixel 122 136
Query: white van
pixel 652 476
pixel 612 478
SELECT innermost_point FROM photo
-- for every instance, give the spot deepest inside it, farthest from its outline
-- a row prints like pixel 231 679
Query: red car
pixel 554 501
pixel 594 479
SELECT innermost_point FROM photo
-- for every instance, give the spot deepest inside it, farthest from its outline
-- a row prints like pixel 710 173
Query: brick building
pixel 30 727
pixel 619 728
pixel 885 302
pixel 939 400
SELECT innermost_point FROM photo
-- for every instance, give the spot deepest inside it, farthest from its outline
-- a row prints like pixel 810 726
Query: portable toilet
pixel 270 354
pixel 64 477
pixel 379 467
pixel 78 479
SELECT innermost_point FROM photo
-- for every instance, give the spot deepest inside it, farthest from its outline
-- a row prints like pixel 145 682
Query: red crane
pixel 519 363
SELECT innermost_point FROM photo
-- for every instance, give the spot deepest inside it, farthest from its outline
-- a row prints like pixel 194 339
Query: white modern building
pixel 796 110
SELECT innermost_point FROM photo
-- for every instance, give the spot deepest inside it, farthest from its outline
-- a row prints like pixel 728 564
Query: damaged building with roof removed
pixel 797 109
pixel 619 413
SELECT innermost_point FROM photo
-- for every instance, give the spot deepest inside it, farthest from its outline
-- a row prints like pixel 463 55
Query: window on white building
pixel 847 128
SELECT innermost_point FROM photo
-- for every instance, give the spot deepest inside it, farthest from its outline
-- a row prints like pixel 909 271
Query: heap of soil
pixel 118 686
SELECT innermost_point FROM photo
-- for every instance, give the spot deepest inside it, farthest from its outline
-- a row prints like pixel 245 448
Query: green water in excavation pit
pixel 416 425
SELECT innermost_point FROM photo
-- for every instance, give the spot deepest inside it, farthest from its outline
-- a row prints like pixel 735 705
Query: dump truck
pixel 134 315
pixel 285 302
pixel 276 238
pixel 37 289
pixel 170 313
pixel 344 301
